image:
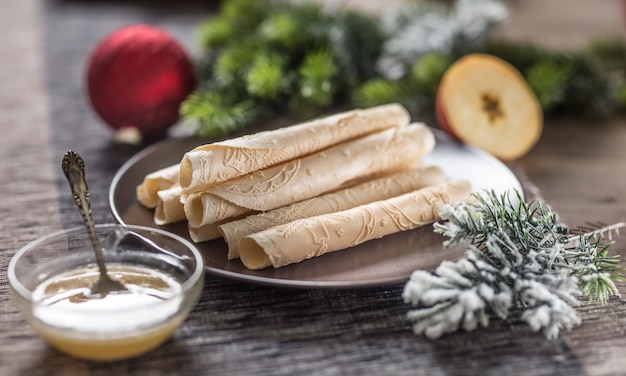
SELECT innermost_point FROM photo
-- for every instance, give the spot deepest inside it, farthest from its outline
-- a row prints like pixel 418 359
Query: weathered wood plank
pixel 240 328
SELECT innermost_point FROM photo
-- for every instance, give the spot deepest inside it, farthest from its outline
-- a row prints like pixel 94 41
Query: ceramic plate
pixel 386 261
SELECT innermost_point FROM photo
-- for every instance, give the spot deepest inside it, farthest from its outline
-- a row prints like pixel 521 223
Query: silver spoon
pixel 73 167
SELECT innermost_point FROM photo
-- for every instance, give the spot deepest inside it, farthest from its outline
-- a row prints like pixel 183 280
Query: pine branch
pixel 519 256
pixel 379 91
pixel 429 69
pixel 460 294
pixel 211 114
pixel 232 64
pixel 266 77
pixel 282 29
pixel 549 79
pixel 397 57
pixel 596 270
pixel 317 73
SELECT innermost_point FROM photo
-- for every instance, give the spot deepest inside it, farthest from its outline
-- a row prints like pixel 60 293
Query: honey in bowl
pixel 65 303
pixel 51 280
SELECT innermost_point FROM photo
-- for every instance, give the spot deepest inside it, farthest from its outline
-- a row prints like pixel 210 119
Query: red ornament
pixel 137 77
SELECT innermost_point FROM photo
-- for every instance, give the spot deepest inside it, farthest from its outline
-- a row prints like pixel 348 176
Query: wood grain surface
pixel 578 167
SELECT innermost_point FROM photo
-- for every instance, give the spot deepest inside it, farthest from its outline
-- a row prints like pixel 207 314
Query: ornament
pixel 137 78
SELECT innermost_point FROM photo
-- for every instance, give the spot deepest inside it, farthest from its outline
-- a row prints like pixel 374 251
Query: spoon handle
pixel 73 167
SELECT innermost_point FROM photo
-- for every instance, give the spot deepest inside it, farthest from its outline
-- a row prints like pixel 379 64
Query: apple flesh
pixel 485 102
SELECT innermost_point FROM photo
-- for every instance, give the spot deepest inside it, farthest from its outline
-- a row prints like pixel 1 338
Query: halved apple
pixel 484 101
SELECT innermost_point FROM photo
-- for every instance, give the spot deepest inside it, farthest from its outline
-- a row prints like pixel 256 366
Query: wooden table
pixel 239 328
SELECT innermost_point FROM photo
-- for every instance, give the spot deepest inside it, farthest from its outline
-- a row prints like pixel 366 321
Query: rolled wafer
pixel 147 191
pixel 204 233
pixel 310 237
pixel 169 208
pixel 386 151
pixel 373 190
pixel 210 231
pixel 211 164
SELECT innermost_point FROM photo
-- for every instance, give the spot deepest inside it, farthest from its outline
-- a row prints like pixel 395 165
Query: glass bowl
pixel 50 279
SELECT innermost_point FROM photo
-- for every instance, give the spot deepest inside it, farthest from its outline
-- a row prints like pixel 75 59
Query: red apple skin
pixel 441 117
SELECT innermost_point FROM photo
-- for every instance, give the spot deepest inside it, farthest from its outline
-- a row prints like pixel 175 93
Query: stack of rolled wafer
pixel 286 195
